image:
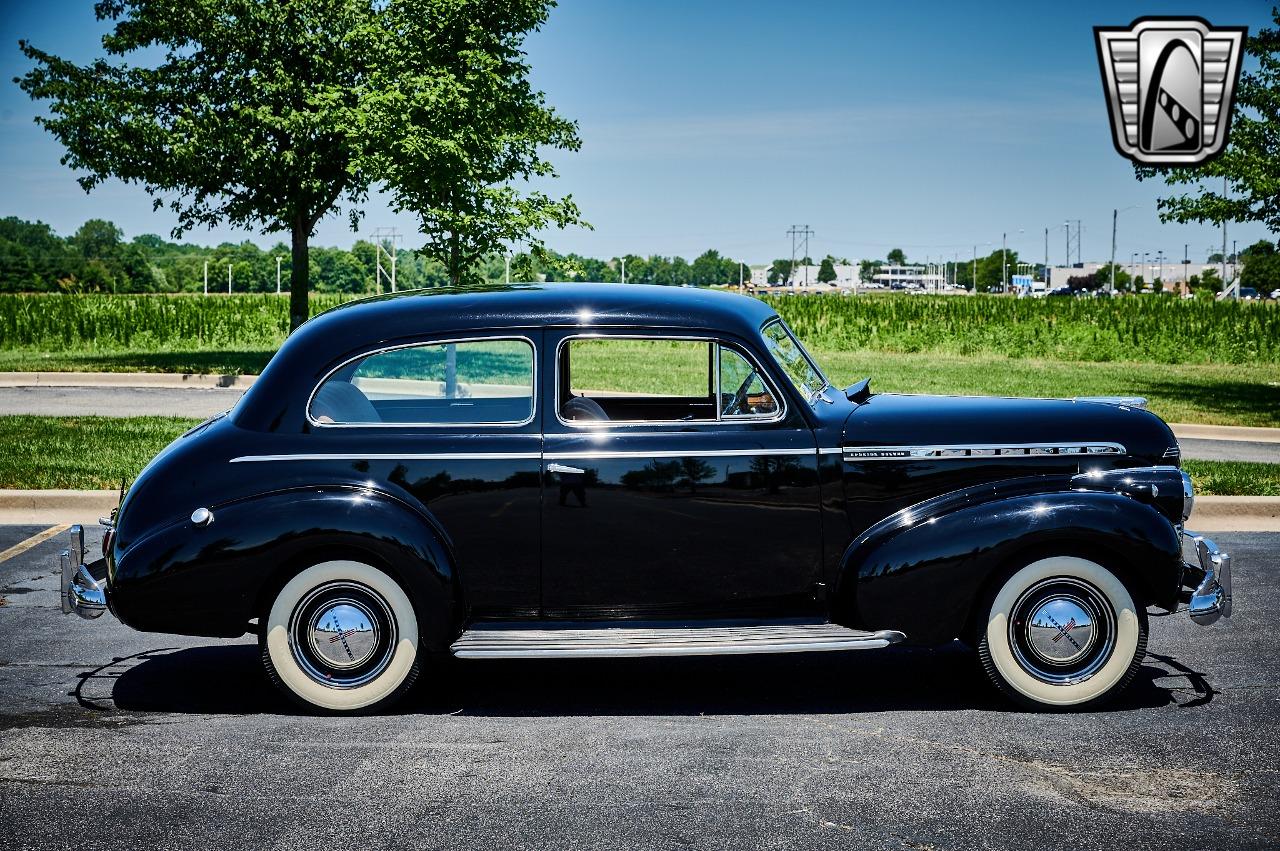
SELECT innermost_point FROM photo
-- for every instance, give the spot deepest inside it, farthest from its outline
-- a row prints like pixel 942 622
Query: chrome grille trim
pixel 980 451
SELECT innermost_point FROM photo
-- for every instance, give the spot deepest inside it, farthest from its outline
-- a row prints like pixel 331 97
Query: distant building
pixel 928 277
pixel 1150 271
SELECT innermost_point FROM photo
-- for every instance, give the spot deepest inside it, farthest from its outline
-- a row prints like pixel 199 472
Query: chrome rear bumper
pixel 1211 599
pixel 82 591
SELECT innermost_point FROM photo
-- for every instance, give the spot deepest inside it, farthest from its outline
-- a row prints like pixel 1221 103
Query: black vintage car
pixel 618 470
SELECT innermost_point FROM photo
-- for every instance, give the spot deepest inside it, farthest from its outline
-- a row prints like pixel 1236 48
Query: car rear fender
pixel 212 579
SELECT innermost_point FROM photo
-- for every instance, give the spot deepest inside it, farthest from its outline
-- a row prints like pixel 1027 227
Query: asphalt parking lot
pixel 115 739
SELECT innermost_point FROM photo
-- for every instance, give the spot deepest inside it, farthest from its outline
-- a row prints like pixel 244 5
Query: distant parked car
pixel 1060 292
pixel 1248 294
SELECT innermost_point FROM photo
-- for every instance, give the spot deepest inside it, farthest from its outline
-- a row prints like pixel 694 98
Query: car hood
pixel 890 419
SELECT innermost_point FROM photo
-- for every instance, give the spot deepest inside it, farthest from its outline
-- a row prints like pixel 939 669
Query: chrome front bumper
pixel 1211 599
pixel 83 592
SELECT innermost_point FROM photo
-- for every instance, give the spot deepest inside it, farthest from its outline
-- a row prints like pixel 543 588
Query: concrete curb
pixel 1211 514
pixel 1248 434
pixel 189 380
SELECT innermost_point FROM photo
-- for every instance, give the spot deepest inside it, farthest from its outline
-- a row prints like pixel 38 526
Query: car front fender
pixel 212 579
pixel 923 569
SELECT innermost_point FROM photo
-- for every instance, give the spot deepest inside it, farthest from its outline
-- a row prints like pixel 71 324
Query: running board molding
pixel 587 641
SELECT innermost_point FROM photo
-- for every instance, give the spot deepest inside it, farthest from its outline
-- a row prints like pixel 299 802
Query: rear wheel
pixel 341 636
pixel 1062 632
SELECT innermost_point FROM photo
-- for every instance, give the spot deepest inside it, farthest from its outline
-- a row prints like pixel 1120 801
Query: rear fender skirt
pixel 922 569
pixel 212 579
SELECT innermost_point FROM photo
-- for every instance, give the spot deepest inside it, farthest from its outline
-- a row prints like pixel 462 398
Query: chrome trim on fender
pixel 986 450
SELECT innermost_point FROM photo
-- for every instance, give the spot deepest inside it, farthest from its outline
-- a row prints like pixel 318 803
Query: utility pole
pixel 228 279
pixel 1186 261
pixel 507 263
pixel 1114 214
pixel 741 282
pixel 278 259
pixel 1004 263
pixel 974 281
pixel 384 242
pixel 1067 226
pixel 624 270
pixel 206 277
pixel 1079 232
pixel 1046 258
pixel 1224 240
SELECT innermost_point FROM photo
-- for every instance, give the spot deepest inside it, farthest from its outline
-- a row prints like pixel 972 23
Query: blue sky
pixel 930 126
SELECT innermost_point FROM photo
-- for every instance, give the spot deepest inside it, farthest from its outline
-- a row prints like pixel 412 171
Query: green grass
pixel 95 453
pixel 1234 478
pixel 83 453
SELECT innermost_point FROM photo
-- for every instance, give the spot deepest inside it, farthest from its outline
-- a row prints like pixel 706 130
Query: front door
pixel 677 481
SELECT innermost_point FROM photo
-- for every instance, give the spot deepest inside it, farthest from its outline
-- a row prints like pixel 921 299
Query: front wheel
pixel 1062 632
pixel 341 636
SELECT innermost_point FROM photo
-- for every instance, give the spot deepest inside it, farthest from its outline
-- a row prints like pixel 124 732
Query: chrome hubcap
pixel 1062 630
pixel 342 634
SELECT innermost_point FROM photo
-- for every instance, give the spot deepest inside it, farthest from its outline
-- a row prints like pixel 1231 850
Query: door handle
pixel 561 468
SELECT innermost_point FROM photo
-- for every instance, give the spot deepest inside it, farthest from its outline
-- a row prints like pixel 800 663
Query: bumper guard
pixel 1212 597
pixel 82 591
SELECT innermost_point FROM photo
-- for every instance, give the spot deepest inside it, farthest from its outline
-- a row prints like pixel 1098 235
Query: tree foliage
pixel 1250 164
pixel 458 123
pixel 896 257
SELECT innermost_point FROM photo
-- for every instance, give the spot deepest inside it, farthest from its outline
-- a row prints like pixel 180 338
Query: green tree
pixel 867 270
pixel 98 239
pixel 827 271
pixel 896 257
pixel 1103 276
pixel 779 271
pixel 458 123
pixel 1261 267
pixel 248 113
pixel 1209 280
pixel 1249 165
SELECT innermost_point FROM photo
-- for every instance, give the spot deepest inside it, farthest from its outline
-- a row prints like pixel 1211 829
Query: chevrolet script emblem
pixel 1170 85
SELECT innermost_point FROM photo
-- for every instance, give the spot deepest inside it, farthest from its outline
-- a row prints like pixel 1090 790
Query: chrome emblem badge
pixel 1170 85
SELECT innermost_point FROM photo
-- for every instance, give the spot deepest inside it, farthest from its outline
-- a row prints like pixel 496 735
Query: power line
pixel 382 237
pixel 799 232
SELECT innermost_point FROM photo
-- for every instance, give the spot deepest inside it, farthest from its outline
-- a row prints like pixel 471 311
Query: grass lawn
pixel 82 453
pixel 95 453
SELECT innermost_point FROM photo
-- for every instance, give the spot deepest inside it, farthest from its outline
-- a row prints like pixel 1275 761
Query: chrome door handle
pixel 561 468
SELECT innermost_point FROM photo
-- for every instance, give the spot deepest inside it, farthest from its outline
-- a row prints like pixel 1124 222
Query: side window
pixel 743 392
pixel 642 380
pixel 475 381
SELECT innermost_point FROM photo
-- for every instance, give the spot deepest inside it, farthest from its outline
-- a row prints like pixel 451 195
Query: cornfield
pixel 1138 328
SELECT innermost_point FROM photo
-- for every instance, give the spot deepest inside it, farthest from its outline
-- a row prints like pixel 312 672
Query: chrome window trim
pixel 671 453
pixel 533 391
pixel 980 451
pixel 719 420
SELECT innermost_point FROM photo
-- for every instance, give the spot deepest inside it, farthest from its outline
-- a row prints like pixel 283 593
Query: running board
pixel 578 640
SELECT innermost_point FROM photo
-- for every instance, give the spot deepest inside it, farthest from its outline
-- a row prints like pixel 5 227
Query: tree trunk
pixel 298 275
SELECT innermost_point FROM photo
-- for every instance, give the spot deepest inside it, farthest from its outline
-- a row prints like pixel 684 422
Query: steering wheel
pixel 740 397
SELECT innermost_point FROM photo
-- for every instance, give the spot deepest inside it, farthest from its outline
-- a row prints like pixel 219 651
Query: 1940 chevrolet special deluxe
pixel 619 470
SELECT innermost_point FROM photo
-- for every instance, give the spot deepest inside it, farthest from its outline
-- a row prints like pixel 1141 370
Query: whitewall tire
pixel 341 636
pixel 1062 632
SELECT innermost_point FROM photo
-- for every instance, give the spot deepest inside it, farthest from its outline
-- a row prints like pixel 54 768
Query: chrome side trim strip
pixel 674 453
pixel 978 451
pixel 396 456
pixel 519 456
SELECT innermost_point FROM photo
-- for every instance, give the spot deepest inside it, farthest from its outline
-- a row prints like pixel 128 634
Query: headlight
pixel 1188 496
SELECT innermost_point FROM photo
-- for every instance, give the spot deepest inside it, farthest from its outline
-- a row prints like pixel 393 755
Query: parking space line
pixel 38 538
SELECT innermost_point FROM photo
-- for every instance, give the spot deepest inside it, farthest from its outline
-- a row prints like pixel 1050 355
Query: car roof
pixel 349 329
pixel 523 305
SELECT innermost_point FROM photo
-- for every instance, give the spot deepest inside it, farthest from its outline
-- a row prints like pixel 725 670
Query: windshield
pixel 794 360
